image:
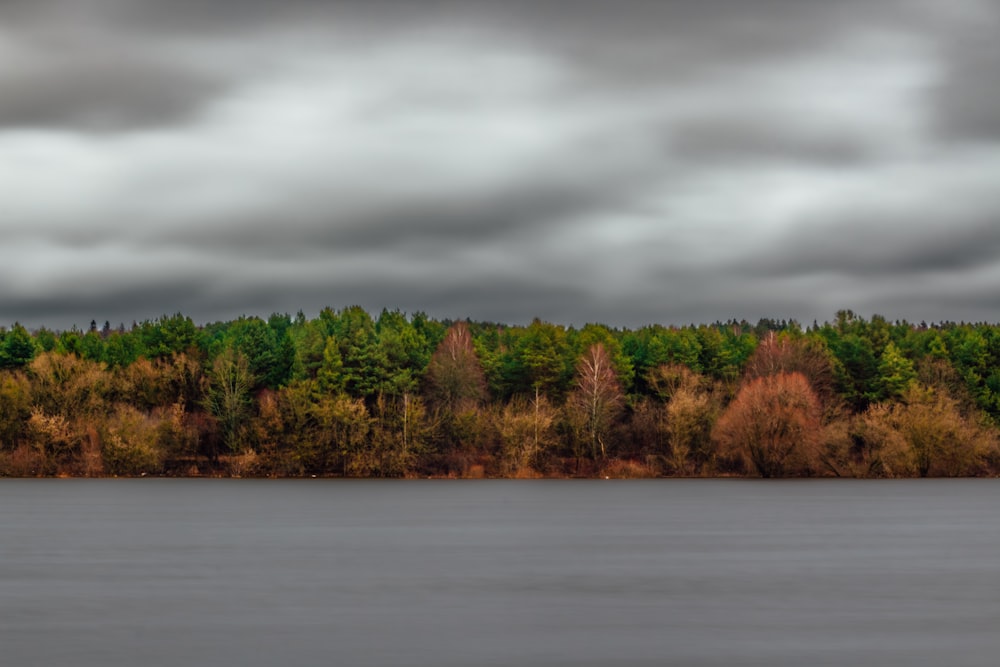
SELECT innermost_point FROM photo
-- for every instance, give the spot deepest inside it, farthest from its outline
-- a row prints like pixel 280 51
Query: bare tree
pixel 526 430
pixel 597 398
pixel 228 396
pixel 455 377
pixel 784 354
pixel 690 416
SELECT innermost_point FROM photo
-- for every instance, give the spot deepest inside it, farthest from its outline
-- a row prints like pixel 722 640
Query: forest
pixel 348 394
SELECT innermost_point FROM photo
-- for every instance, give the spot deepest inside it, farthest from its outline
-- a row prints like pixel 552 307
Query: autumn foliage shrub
pixel 774 423
pixel 526 431
pixel 628 469
pixel 129 442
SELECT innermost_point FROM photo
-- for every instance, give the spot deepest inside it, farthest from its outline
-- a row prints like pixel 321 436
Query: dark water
pixel 439 573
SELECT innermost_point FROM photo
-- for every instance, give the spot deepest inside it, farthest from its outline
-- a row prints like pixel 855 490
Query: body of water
pixel 439 573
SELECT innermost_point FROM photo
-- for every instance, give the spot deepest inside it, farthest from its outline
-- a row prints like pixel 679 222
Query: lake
pixel 499 572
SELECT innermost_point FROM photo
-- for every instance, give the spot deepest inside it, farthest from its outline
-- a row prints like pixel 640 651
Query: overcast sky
pixel 625 162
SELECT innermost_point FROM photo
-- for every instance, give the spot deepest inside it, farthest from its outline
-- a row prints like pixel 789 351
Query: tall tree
pixel 168 335
pixel 691 414
pixel 455 377
pixel 538 361
pixel 896 373
pixel 228 396
pixel 267 346
pixel 330 374
pixel 783 353
pixel 16 348
pixel 597 398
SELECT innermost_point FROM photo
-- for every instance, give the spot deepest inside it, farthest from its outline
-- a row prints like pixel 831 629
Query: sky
pixel 629 162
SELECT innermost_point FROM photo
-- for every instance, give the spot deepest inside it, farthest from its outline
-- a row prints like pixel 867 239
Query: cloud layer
pixel 629 163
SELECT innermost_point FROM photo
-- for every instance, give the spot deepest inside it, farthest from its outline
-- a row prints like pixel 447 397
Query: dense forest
pixel 346 394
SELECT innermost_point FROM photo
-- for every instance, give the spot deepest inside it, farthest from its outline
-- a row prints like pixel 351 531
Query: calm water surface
pixel 440 573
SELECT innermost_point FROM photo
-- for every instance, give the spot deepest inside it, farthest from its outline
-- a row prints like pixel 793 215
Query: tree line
pixel 349 394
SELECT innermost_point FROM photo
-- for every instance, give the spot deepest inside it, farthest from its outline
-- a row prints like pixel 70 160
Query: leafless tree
pixel 597 398
pixel 455 377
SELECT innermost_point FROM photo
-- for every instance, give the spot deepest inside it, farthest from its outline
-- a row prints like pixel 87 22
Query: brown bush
pixel 691 415
pixel 925 435
pixel 941 441
pixel 628 469
pixel 24 461
pixel 526 430
pixel 774 423
pixel 129 443
pixel 15 408
pixel 63 384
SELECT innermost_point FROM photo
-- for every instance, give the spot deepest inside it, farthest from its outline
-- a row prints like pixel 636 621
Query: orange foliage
pixel 774 422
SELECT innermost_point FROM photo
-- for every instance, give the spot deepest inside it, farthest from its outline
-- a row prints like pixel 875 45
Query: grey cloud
pixel 730 140
pixel 434 224
pixel 967 99
pixel 460 294
pixel 962 297
pixel 449 291
pixel 109 95
pixel 606 47
pixel 63 67
pixel 622 162
pixel 875 247
pixel 121 303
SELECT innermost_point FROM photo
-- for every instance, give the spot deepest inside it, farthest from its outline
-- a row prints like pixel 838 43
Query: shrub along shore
pixel 348 394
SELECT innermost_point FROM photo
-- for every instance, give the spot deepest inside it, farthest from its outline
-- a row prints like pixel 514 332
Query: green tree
pixel 46 339
pixel 539 360
pixel 309 340
pixel 92 346
pixel 167 335
pixel 896 373
pixel 267 347
pixel 17 348
pixel 855 364
pixel 403 351
pixel 330 377
pixel 121 349
pixel 364 363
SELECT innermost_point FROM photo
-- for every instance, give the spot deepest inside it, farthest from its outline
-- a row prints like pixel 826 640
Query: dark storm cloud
pixel 100 94
pixel 968 97
pixel 875 247
pixel 728 140
pixel 119 303
pixel 434 222
pixel 623 162
pixel 107 64
pixel 68 66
